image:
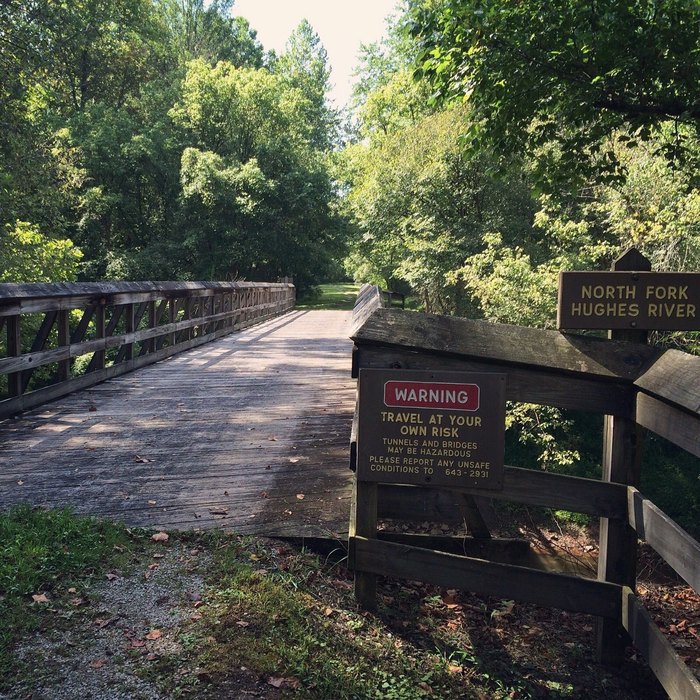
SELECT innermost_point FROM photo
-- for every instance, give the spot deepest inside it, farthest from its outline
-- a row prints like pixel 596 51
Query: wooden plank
pixel 63 374
pixel 526 385
pixel 39 343
pixel 363 523
pixel 678 426
pixel 487 578
pixel 213 421
pixel 11 406
pixel 369 299
pixel 515 346
pixel 673 543
pixel 675 677
pixel 529 486
pixel 14 349
pixel 674 378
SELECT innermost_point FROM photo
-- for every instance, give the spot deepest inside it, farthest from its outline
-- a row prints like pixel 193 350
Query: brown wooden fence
pixel 657 389
pixel 62 337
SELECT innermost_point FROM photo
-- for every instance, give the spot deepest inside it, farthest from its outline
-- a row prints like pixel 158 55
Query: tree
pixel 304 66
pixel 565 72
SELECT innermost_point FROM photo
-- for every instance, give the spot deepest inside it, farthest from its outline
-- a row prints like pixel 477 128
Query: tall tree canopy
pixel 566 73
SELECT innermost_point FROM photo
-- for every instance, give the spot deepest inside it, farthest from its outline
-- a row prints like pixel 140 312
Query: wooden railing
pixel 62 337
pixel 658 389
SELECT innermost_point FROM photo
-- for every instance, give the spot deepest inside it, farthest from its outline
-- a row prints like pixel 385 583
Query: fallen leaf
pixel 158 556
pixel 300 496
pixel 327 611
pixel 196 616
pixel 454 668
pixel 137 643
pixel 144 460
pixel 111 576
pixel 40 598
pixel 153 566
pixel 287 682
pixel 287 512
pixel 72 590
pixel 77 601
pixel 294 460
pixel 218 511
pixel 103 623
pixel 20 482
pixel 272 438
pixel 160 537
pixel 154 634
pixel 151 503
pixel 194 595
pixel 242 623
pixel 263 494
pixel 97 663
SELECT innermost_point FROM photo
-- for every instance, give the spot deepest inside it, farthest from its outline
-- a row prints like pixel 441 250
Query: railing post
pixel 617 559
pixel 63 341
pixel 129 323
pixel 14 349
pixel 98 359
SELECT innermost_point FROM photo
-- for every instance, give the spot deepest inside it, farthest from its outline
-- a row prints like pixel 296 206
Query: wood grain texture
pixel 678 426
pixel 675 545
pixel 675 677
pixel 485 577
pixel 570 354
pixel 674 378
pixel 223 436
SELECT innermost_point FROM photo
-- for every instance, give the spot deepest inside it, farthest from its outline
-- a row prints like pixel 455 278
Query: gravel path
pixel 115 630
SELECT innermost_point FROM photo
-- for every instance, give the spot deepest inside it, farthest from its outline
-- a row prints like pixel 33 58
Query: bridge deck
pixel 249 433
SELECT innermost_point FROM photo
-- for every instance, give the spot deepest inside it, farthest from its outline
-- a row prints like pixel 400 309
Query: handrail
pixel 115 327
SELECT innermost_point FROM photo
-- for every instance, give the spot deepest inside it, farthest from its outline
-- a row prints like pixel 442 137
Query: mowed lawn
pixel 336 296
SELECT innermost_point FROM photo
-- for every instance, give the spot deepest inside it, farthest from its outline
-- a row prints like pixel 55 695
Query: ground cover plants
pixel 133 614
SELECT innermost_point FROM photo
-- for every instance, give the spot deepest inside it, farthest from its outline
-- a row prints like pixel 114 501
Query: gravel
pixel 105 650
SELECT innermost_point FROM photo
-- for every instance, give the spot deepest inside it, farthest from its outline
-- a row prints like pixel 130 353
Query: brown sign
pixel 439 428
pixel 639 300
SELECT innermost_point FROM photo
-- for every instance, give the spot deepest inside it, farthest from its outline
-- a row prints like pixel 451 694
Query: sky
pixel 341 25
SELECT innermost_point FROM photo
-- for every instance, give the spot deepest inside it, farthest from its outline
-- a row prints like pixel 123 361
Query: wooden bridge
pixel 249 432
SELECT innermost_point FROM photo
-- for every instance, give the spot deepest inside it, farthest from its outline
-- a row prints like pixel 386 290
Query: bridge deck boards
pixel 226 435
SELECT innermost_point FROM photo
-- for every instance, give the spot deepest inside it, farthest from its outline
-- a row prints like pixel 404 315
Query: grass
pixel 338 296
pixel 280 622
pixel 45 552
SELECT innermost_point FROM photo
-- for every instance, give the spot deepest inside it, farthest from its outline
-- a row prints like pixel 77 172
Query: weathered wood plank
pixel 525 385
pixel 675 677
pixel 674 378
pixel 568 354
pixel 529 486
pixel 212 421
pixel 488 578
pixel 678 426
pixel 673 543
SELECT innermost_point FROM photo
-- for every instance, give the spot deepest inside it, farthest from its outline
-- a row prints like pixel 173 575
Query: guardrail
pixel 658 389
pixel 66 336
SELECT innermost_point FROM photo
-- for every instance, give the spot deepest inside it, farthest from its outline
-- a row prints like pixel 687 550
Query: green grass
pixel 338 296
pixel 47 552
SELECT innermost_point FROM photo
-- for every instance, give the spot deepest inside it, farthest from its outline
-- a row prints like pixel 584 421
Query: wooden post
pixel 98 359
pixel 129 327
pixel 14 349
pixel 617 559
pixel 63 341
pixel 363 523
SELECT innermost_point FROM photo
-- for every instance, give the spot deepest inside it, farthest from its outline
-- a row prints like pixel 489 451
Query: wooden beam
pixel 487 578
pixel 673 674
pixel 515 346
pixel 674 378
pixel 526 384
pixel 530 486
pixel 676 425
pixel 673 543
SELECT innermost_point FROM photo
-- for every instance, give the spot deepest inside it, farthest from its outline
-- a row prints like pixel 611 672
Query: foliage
pixel 26 255
pixel 567 73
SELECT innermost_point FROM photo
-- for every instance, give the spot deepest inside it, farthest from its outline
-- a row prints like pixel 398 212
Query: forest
pixel 488 146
